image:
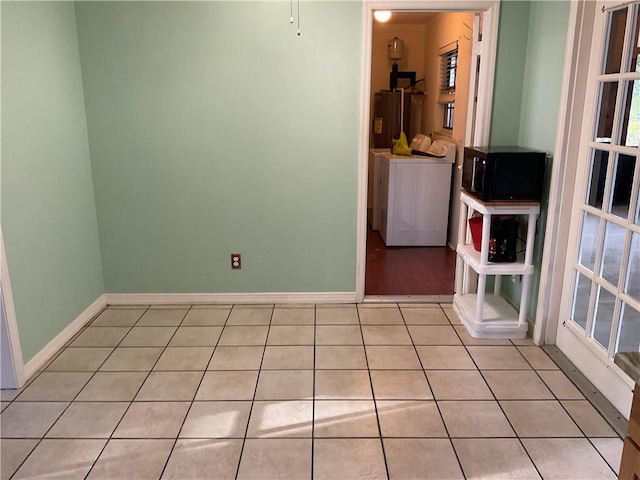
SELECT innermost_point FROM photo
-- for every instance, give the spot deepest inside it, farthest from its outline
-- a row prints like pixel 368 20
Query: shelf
pixel 472 257
pixel 497 319
pixel 500 208
pixel 500 320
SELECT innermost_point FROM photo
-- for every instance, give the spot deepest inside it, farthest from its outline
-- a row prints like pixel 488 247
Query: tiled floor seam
pixel 139 388
pixel 555 398
pixel 558 400
pixel 424 372
pixel 255 390
pixel 196 389
pixel 48 364
pixel 500 405
pixel 375 405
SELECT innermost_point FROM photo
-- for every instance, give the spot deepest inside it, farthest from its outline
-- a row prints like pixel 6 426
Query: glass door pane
pixel 622 185
pixel 614 238
pixel 629 336
pixel 613 58
pixel 630 133
pixel 608 94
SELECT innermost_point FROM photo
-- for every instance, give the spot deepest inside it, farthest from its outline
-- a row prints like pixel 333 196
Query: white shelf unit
pixel 491 316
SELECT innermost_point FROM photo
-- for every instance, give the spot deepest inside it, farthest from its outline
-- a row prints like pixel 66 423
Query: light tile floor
pixel 323 392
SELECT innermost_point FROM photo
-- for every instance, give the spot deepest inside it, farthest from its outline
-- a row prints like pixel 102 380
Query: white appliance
pixel 373 201
pixel 413 196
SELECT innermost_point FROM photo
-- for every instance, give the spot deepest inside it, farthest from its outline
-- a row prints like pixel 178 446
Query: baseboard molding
pixel 227 298
pixel 44 355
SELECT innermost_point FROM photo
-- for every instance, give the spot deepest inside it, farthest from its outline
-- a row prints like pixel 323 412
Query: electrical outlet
pixel 236 261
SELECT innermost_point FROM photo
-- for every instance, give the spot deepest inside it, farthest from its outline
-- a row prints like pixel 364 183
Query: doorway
pixel 432 32
pixel 600 296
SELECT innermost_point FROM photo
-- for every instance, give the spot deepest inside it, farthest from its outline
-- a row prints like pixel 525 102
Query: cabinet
pixel 491 316
pixel 414 200
pixel 630 462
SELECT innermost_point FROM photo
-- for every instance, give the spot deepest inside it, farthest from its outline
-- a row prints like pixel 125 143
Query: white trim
pixel 563 174
pixel 599 372
pixel 10 324
pixel 584 47
pixel 227 298
pixel 363 151
pixel 489 49
pixel 485 97
pixel 50 349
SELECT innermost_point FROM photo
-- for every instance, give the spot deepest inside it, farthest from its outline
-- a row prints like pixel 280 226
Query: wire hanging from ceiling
pixel 298 31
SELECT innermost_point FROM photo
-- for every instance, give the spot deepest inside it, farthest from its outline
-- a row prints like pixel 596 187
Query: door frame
pixel 485 95
pixel 564 187
pixel 563 175
pixel 11 350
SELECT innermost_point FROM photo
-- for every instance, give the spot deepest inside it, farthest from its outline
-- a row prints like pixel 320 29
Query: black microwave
pixel 503 173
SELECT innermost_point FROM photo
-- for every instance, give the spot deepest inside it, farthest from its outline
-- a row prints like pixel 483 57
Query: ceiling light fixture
pixel 382 15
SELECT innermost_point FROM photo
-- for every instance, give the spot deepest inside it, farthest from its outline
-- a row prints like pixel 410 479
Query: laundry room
pixel 420 81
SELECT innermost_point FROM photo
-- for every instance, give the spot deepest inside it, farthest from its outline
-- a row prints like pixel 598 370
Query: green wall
pixel 48 209
pixel 536 118
pixel 510 70
pixel 215 129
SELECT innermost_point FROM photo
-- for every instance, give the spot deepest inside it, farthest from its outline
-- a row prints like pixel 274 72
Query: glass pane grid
pixel 606 289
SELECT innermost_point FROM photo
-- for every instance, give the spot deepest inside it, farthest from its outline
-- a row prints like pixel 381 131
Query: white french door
pixel 601 296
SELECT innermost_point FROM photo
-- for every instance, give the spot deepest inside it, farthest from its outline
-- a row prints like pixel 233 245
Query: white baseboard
pixel 44 355
pixel 227 298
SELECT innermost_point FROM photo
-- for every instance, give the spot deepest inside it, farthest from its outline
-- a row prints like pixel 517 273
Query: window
pixel 448 68
pixel 448 71
pixel 447 122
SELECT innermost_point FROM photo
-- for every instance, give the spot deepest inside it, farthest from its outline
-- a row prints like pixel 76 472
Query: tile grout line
pixel 499 404
pixel 559 401
pixel 373 396
pixel 139 388
pixel 255 391
pixel 63 349
pixel 424 372
pixel 196 389
pixel 567 411
pixel 176 438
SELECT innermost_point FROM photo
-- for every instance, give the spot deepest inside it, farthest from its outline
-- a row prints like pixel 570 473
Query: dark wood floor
pixel 408 270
